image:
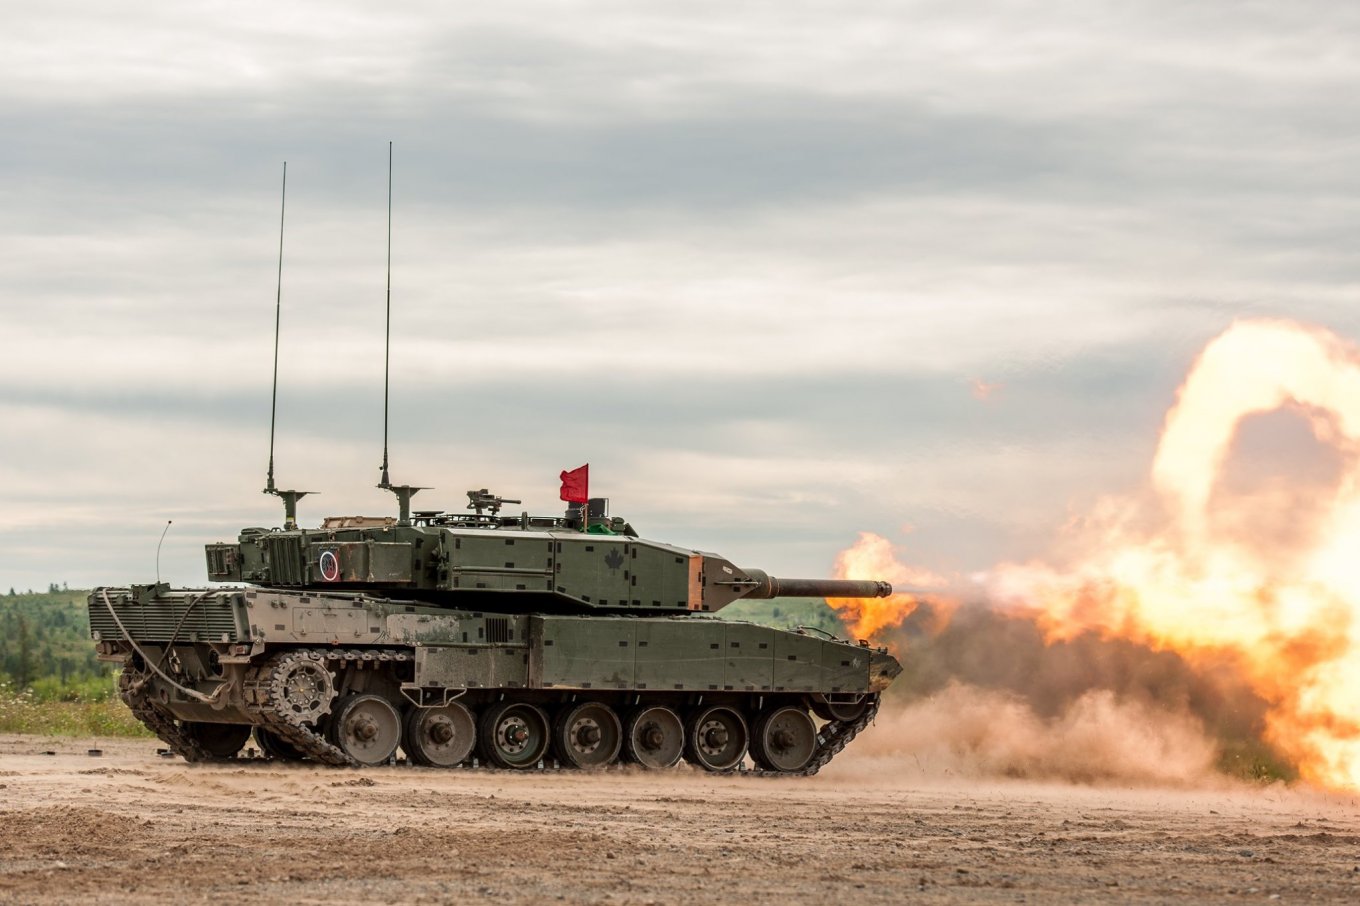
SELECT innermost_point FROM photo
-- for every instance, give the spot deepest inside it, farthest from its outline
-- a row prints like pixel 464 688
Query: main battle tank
pixel 513 641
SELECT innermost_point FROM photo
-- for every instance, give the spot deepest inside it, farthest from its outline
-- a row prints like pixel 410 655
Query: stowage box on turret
pixel 513 640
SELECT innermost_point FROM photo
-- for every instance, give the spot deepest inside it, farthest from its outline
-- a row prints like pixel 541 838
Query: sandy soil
pixel 128 826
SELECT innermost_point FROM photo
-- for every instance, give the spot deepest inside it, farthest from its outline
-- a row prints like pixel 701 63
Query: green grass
pixel 24 711
pixel 50 681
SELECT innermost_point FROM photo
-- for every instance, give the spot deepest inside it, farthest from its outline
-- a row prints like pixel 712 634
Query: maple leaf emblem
pixel 613 559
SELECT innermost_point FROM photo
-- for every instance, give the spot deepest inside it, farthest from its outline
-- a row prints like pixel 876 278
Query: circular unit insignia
pixel 330 566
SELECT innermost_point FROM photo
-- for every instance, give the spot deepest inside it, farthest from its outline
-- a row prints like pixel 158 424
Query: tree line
pixel 45 644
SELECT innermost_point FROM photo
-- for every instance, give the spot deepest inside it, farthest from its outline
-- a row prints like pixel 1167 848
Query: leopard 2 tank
pixel 512 641
pixel 504 640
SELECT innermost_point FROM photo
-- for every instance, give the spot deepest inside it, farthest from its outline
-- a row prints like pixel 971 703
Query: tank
pixel 510 641
pixel 478 637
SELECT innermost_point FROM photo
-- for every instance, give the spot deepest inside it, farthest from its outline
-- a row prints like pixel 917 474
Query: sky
pixel 781 273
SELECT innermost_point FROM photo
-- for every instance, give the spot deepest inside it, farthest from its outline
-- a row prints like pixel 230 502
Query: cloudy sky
pixel 779 272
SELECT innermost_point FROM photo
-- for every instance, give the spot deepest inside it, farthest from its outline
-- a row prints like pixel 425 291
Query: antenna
pixel 404 492
pixel 387 340
pixel 290 498
pixel 158 550
pixel 278 312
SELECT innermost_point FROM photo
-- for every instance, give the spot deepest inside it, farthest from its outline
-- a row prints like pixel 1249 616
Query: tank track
pixel 132 690
pixel 833 737
pixel 264 694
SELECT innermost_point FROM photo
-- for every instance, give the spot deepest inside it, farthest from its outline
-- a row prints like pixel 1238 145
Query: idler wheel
pixel 715 738
pixel 367 728
pixel 655 737
pixel 513 735
pixel 588 735
pixel 440 737
pixel 218 740
pixel 783 739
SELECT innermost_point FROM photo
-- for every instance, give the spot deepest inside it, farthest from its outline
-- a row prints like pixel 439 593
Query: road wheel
pixel 655 737
pixel 440 737
pixel 588 735
pixel 367 728
pixel 783 739
pixel 513 735
pixel 715 738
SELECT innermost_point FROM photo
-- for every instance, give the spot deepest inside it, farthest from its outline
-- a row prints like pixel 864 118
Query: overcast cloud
pixel 750 262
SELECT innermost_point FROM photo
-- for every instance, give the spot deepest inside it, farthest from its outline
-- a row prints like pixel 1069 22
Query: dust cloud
pixel 987 697
pixel 967 731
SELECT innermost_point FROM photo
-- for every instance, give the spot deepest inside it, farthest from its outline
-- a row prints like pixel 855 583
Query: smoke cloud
pixel 974 732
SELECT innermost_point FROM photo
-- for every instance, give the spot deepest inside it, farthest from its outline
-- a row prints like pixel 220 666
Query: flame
pixel 873 557
pixel 1198 578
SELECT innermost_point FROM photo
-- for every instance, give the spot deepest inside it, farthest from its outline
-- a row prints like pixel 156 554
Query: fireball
pixel 1211 562
pixel 873 557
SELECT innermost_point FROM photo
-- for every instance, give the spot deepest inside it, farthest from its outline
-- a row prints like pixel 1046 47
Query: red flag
pixel 576 485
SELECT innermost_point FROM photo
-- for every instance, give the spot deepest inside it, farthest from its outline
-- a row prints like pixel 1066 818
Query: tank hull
pixel 333 676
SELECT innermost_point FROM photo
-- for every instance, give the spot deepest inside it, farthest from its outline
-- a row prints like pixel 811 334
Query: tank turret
pixel 512 563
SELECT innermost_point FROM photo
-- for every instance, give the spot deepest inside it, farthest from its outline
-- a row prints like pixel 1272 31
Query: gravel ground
pixel 128 826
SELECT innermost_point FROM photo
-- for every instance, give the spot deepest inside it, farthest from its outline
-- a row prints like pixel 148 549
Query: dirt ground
pixel 128 826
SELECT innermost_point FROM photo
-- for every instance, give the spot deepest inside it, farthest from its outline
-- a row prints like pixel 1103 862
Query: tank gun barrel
pixel 768 586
